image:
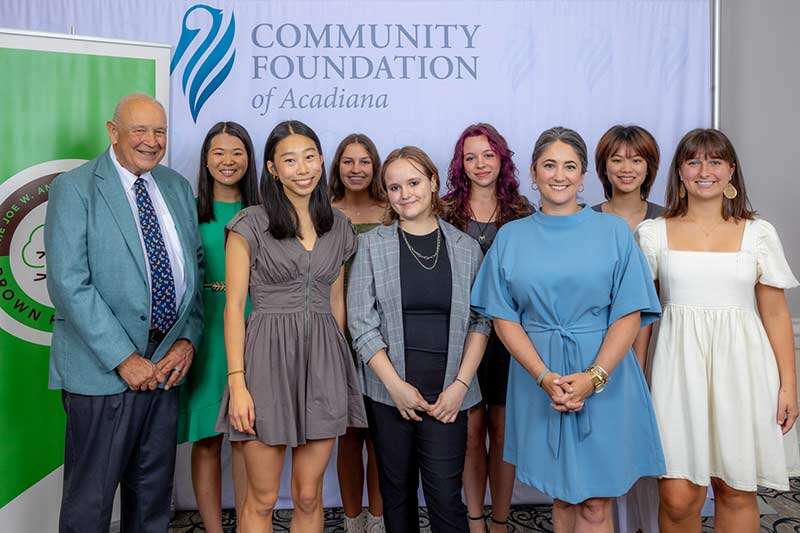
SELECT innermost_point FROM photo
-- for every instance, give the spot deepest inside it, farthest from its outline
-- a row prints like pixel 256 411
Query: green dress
pixel 201 394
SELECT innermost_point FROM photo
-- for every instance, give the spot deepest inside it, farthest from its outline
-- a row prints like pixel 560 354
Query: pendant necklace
pixel 709 232
pixel 482 227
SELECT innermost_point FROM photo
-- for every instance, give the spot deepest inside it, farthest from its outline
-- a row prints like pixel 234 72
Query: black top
pixel 426 297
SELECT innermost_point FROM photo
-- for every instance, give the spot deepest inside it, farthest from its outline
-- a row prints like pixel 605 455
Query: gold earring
pixel 730 191
pixel 681 191
pixel 275 177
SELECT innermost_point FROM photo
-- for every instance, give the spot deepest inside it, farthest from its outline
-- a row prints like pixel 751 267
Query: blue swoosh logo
pixel 197 77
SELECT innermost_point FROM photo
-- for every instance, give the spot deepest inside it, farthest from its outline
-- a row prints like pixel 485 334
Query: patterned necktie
pixel 162 286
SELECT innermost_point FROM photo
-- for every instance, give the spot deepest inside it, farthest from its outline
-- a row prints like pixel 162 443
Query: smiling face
pixel 227 159
pixel 355 168
pixel 705 177
pixel 298 165
pixel 409 190
pixel 626 170
pixel 138 135
pixel 481 163
pixel 558 174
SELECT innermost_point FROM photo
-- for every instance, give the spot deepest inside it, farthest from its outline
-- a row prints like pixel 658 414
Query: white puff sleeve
pixel 647 237
pixel 773 270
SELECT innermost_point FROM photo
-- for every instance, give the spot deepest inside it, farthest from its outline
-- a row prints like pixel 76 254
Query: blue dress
pixel 566 279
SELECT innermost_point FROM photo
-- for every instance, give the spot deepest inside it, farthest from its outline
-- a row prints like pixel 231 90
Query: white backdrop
pixel 426 68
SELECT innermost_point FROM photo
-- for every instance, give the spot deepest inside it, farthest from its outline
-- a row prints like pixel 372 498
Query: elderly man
pixel 123 256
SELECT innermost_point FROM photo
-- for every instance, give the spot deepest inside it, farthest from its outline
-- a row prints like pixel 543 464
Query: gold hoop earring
pixel 681 191
pixel 730 191
pixel 274 176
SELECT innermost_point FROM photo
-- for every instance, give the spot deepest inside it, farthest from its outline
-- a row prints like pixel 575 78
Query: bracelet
pixel 462 382
pixel 599 377
pixel 540 379
pixel 240 371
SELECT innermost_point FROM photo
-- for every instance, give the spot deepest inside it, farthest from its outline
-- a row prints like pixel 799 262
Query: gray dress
pixel 300 371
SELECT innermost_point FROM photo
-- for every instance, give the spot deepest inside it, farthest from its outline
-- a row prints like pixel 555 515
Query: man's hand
pixel 175 364
pixel 139 373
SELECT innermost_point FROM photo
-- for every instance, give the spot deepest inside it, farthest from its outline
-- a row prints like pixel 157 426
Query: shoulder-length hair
pixel 710 143
pixel 512 204
pixel 640 142
pixel 336 188
pixel 248 185
pixel 422 162
pixel 283 222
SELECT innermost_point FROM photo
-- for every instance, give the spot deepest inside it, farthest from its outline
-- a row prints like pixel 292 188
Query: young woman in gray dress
pixel 483 194
pixel 291 379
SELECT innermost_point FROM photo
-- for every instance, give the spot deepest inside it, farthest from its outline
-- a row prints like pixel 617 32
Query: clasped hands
pixel 408 401
pixel 141 374
pixel 568 393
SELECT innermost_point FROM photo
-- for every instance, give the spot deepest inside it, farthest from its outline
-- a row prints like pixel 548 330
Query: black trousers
pixel 407 450
pixel 125 439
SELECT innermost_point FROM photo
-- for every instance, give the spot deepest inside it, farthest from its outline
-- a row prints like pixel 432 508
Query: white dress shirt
pixel 168 229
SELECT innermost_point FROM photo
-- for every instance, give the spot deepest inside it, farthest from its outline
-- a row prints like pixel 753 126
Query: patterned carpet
pixel 524 518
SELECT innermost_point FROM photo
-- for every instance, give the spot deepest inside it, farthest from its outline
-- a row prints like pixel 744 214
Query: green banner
pixel 54 107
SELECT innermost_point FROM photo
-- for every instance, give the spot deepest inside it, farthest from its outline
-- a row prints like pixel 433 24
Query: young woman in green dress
pixel 227 183
pixel 361 199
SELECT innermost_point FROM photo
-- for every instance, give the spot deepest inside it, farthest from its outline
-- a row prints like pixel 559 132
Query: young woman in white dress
pixel 723 379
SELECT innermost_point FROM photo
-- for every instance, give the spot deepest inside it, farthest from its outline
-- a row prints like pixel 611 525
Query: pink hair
pixel 512 204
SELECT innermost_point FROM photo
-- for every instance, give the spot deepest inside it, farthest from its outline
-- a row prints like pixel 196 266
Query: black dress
pixel 493 370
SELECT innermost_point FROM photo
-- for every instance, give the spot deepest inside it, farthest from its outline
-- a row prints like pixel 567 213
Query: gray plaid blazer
pixel 374 306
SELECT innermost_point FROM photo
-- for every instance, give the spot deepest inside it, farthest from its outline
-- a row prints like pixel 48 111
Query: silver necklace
pixel 418 256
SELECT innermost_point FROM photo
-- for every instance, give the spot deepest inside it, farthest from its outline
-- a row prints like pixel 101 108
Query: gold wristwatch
pixel 599 377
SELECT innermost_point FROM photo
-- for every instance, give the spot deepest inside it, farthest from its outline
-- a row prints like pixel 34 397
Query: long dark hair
pixel 248 185
pixel 512 204
pixel 336 188
pixel 713 144
pixel 281 214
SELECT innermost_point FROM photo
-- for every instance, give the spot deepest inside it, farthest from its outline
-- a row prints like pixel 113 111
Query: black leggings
pixel 406 449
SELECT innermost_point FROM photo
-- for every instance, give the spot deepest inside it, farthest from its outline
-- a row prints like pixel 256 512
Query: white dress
pixel 715 379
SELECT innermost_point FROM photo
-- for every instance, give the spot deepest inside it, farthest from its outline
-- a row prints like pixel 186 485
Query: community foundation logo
pixel 25 307
pixel 211 59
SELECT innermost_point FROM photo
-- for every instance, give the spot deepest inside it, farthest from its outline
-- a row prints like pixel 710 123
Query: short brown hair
pixel 336 188
pixel 422 162
pixel 711 143
pixel 640 141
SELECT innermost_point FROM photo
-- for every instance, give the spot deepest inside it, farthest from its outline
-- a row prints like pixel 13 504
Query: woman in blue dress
pixel 568 289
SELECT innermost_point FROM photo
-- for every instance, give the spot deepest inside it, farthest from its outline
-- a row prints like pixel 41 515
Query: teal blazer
pixel 97 278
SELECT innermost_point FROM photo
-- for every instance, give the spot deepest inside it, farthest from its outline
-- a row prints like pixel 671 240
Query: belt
pixel 564 359
pixel 216 286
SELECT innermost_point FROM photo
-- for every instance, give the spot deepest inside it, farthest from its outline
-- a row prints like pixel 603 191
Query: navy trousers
pixel 127 440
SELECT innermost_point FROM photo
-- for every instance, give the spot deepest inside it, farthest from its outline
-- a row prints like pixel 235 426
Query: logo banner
pixel 54 103
pixel 416 72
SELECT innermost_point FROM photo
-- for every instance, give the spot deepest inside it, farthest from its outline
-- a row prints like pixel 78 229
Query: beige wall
pixel 760 110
